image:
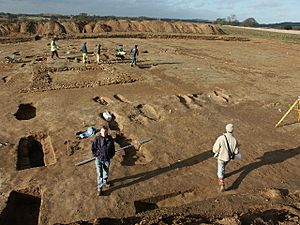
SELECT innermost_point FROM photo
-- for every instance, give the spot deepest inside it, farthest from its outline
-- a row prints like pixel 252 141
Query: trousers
pixel 221 168
pixel 102 169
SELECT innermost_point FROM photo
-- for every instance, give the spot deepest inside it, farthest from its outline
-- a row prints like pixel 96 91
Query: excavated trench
pixel 21 209
pixel 30 153
pixel 35 151
pixel 143 206
pixel 130 156
pixel 147 204
pixel 25 112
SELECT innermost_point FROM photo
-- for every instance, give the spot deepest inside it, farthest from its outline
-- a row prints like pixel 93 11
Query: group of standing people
pixel 84 51
pixel 225 149
pixel 134 52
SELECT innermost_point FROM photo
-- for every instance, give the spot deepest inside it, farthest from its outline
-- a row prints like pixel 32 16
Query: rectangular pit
pixel 35 151
pixel 21 209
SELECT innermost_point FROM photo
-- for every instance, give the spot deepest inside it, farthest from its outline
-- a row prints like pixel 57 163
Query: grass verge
pixel 290 38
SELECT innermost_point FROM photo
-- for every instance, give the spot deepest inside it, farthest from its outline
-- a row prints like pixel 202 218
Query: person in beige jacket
pixel 225 149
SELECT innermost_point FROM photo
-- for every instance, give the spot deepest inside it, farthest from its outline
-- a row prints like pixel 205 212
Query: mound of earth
pixel 72 27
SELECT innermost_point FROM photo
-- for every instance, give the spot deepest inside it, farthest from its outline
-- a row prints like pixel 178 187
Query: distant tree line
pixel 251 22
pixel 231 20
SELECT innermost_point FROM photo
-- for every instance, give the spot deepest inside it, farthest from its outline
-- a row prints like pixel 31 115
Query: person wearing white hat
pixel 225 149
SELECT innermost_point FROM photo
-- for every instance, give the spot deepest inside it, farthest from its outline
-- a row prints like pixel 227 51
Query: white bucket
pixel 106 115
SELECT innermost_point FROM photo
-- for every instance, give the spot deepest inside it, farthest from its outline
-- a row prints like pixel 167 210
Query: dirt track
pixel 182 94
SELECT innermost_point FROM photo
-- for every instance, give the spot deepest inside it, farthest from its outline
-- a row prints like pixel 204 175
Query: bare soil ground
pixel 182 94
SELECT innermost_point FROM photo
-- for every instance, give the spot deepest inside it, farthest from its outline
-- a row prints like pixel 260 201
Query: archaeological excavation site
pixel 164 115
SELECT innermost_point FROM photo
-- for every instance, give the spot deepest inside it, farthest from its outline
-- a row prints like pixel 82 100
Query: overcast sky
pixel 264 11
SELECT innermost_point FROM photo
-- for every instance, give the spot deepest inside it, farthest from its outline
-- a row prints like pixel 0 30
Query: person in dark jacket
pixel 103 149
pixel 84 52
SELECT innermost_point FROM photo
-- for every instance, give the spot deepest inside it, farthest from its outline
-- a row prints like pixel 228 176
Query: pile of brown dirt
pixel 9 29
pixel 72 27
pixel 50 28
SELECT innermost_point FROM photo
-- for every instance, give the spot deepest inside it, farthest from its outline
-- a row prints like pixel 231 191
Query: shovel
pixel 125 147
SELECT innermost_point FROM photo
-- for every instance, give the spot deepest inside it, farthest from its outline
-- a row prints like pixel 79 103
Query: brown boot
pixel 222 188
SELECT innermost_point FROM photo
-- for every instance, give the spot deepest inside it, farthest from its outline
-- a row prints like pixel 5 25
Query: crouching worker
pixel 224 149
pixel 103 148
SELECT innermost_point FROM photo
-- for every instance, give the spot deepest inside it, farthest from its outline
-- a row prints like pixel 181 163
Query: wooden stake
pixel 290 109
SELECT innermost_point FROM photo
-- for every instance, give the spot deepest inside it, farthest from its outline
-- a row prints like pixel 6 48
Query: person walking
pixel 97 52
pixel 54 48
pixel 134 53
pixel 84 51
pixel 225 148
pixel 103 149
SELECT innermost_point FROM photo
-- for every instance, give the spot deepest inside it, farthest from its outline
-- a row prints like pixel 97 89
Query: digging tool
pixel 296 103
pixel 125 147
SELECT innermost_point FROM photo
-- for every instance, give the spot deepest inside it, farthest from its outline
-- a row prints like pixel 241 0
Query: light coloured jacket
pixel 53 46
pixel 220 148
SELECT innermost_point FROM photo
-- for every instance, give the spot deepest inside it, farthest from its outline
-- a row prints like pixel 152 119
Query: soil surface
pixel 181 94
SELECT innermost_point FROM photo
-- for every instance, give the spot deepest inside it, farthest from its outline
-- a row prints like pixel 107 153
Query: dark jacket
pixel 84 49
pixel 103 148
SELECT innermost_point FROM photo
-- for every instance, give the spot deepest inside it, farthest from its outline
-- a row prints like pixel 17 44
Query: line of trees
pixel 251 22
pixel 232 20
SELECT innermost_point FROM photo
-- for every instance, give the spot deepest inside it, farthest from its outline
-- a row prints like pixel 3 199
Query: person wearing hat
pixel 103 149
pixel 225 149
